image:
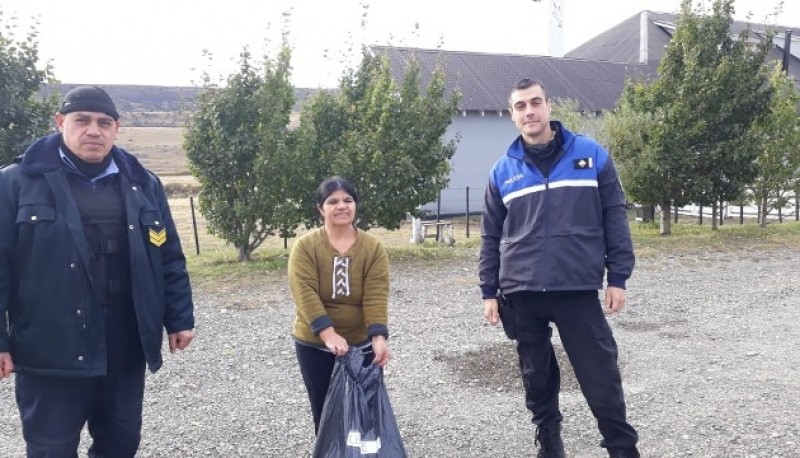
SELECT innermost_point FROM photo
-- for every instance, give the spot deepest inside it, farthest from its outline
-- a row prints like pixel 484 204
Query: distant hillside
pixel 165 106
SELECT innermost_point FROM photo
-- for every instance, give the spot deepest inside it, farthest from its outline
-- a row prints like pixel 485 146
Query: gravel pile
pixel 708 351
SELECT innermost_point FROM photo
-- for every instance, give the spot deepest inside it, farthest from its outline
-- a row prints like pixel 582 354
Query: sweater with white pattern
pixel 349 291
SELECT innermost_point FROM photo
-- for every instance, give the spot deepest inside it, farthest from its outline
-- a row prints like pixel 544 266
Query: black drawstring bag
pixel 358 420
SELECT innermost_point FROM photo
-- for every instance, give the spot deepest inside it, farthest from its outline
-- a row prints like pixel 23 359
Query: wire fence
pixel 739 213
pixel 465 205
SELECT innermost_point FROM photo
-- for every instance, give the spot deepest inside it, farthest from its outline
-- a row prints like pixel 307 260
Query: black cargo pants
pixel 590 346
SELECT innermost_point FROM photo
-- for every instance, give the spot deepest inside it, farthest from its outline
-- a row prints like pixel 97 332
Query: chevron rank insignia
pixel 157 237
pixel 583 163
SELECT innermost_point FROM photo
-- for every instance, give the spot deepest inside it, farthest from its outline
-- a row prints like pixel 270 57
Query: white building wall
pixel 484 138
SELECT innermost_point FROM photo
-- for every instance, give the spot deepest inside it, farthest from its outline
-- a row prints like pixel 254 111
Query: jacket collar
pixel 42 157
pixel 517 149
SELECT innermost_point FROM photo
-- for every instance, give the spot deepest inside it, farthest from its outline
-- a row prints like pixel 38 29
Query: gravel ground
pixel 708 351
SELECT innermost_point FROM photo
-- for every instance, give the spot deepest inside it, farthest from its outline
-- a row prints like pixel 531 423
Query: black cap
pixel 89 98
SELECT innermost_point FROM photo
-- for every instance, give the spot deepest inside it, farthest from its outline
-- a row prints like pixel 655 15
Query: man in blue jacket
pixel 91 273
pixel 553 223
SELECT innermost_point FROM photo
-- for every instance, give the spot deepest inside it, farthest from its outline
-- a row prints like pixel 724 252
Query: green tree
pixel 631 134
pixel 778 136
pixel 716 86
pixel 241 150
pixel 24 114
pixel 384 136
pixel 685 136
pixel 569 113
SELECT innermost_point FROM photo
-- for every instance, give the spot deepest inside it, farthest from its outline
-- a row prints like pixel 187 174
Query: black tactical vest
pixel 103 215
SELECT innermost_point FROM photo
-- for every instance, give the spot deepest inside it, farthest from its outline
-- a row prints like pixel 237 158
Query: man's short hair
pixel 525 83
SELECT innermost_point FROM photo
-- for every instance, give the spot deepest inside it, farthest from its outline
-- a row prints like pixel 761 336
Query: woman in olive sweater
pixel 339 279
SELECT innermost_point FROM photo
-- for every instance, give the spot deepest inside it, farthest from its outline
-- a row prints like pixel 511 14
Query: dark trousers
pixel 55 409
pixel 590 346
pixel 316 367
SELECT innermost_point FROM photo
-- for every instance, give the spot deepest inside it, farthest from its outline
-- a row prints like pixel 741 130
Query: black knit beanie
pixel 89 98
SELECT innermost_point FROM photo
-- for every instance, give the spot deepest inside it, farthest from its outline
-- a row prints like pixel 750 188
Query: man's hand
pixel 180 340
pixel 6 365
pixel 615 299
pixel 490 311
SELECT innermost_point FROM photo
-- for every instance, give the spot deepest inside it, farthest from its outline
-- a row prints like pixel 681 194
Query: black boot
pixel 623 453
pixel 548 437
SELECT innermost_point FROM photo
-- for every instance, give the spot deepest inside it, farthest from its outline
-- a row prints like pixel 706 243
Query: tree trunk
pixel 666 221
pixel 721 212
pixel 714 209
pixel 648 213
pixel 244 255
pixel 762 211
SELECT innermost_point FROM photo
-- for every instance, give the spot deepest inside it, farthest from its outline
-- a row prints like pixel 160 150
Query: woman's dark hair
pixel 332 184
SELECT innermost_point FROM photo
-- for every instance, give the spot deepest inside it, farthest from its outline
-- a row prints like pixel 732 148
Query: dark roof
pixel 621 42
pixel 485 80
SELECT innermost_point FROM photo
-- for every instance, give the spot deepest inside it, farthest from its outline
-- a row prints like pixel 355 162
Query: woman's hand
pixel 381 351
pixel 335 343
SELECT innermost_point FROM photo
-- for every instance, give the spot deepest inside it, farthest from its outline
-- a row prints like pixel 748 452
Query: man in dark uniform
pixel 554 222
pixel 91 273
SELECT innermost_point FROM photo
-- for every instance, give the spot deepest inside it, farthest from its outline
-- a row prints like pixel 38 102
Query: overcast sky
pixel 161 42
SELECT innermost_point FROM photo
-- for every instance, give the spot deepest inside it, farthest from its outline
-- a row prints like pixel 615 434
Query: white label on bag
pixel 366 447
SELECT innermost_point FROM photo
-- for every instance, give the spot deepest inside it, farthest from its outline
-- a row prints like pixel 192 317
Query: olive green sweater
pixel 348 291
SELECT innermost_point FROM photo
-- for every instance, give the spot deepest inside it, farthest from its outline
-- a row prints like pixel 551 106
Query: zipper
pixel 546 226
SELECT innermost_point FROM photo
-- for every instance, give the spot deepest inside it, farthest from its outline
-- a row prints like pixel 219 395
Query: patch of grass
pixel 430 251
pixel 160 149
pixel 693 238
pixel 222 267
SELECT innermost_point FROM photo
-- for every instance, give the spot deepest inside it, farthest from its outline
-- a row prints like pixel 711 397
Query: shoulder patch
pixel 583 163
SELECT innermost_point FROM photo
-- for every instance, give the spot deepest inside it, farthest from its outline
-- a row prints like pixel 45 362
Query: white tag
pixel 365 447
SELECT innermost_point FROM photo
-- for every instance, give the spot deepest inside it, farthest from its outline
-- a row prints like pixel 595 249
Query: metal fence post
pixel 466 219
pixel 438 214
pixel 194 227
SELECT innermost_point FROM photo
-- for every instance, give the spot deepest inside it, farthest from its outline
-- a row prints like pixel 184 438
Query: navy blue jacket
pixel 50 319
pixel 559 233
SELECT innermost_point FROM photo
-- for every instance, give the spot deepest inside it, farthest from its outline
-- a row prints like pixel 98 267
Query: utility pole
pixel 556 28
pixel 787 46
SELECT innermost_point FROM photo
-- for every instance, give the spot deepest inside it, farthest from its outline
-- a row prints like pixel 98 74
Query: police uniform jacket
pixel 50 319
pixel 556 233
